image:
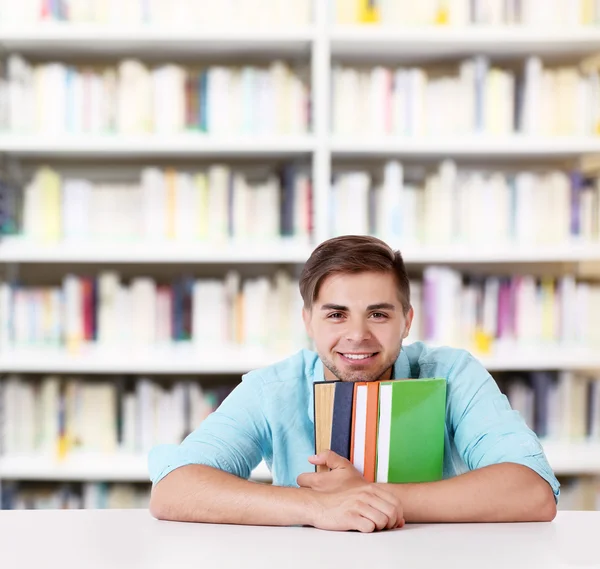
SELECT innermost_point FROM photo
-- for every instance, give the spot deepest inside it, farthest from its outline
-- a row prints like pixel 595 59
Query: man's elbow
pixel 158 506
pixel 544 504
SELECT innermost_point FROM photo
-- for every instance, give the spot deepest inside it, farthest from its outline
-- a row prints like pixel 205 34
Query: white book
pixel 76 201
pixel 154 204
pixel 185 206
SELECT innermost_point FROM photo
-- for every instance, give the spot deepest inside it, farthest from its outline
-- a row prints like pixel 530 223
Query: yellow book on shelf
pixel 442 13
pixel 483 342
pixel 51 193
pixel 368 12
pixel 587 12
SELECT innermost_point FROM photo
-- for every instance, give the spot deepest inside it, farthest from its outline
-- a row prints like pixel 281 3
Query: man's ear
pixel 306 314
pixel 409 318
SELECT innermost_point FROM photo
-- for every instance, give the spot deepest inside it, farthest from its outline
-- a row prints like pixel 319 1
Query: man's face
pixel 357 325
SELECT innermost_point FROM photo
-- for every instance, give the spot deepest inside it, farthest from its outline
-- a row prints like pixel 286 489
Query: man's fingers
pixel 307 479
pixel 387 508
pixel 334 460
pixel 389 497
pixel 380 520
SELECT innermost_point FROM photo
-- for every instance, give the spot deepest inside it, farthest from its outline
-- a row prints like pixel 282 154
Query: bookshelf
pixel 481 147
pixel 321 45
pixel 89 467
pixel 565 458
pixel 155 146
pixel 186 360
pixel 380 42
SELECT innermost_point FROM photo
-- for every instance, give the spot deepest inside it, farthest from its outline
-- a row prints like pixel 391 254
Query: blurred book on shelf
pixel 558 406
pixel 505 315
pixel 89 495
pixel 58 416
pixel 528 98
pixel 474 208
pixel 104 312
pixel 191 14
pixel 134 98
pixel 217 205
pixel 460 13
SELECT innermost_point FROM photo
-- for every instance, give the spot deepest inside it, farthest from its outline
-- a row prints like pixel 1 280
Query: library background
pixel 167 167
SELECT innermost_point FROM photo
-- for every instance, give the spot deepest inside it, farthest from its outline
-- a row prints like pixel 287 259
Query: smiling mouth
pixel 362 357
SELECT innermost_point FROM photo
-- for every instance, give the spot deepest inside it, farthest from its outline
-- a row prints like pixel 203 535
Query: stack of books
pixel 391 431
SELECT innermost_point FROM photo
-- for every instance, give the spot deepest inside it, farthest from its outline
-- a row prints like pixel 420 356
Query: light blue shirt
pixel 269 416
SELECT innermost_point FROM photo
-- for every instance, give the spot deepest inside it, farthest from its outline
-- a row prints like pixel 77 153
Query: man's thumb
pixel 330 459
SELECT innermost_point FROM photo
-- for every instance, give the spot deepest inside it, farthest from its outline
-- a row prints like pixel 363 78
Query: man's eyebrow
pixel 334 307
pixel 378 306
pixel 381 306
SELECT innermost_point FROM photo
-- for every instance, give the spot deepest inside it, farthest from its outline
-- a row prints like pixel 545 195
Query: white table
pixel 113 539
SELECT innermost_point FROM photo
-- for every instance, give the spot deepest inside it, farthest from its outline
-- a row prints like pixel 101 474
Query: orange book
pixel 371 431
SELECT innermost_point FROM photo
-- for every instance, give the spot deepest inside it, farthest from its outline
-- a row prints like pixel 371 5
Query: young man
pixel 357 311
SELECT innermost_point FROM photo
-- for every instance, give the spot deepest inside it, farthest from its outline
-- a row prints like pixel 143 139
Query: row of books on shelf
pixel 262 13
pixel 181 13
pixel 482 313
pixel 473 97
pixel 412 205
pixel 458 13
pixel 56 416
pixel 136 98
pixel 208 313
pixel 216 205
pixel 579 493
pixel 556 405
pixel 16 495
pixel 465 206
pixel 501 314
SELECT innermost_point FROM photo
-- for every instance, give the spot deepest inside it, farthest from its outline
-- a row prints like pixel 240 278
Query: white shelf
pixel 377 42
pixel 89 468
pixel 182 359
pixel 63 40
pixel 20 250
pixel 154 146
pixel 552 358
pixel 565 459
pixel 514 147
pixel 186 360
pixel 573 458
pixel 508 254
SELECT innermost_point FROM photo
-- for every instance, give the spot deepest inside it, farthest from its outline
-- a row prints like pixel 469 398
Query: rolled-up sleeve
pixel 486 429
pixel 233 438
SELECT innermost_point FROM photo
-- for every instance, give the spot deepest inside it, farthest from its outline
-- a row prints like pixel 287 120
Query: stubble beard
pixel 361 375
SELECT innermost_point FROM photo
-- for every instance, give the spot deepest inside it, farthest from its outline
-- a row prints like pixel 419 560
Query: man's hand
pixel 342 476
pixel 344 500
pixel 364 508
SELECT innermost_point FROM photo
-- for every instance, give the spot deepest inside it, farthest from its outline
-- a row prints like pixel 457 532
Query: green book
pixel 410 432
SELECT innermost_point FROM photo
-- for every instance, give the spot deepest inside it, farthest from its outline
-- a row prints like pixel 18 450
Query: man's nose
pixel 358 330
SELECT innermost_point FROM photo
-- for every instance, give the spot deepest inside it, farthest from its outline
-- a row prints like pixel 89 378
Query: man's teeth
pixel 357 356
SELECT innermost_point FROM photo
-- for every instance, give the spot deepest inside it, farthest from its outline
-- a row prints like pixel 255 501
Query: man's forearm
pixel 498 493
pixel 197 493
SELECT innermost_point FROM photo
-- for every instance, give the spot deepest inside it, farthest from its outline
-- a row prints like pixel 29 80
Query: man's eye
pixel 379 315
pixel 336 315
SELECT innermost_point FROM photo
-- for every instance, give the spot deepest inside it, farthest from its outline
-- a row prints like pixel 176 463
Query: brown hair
pixel 352 254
